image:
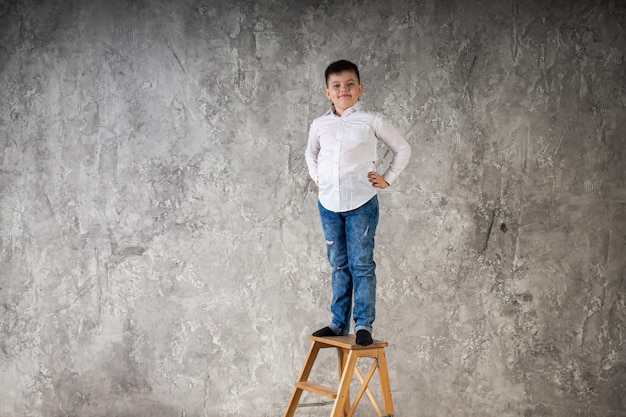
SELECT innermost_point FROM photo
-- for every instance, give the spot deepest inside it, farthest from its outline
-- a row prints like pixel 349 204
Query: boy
pixel 341 158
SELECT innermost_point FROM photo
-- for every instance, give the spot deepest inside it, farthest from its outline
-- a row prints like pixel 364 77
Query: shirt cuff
pixel 390 177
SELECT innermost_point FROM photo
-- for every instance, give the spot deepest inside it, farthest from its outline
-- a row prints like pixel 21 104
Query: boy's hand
pixel 377 180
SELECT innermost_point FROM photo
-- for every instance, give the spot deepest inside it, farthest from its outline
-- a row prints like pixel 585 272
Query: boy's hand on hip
pixel 377 180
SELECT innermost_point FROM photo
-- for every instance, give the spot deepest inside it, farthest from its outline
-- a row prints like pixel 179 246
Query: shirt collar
pixel 357 106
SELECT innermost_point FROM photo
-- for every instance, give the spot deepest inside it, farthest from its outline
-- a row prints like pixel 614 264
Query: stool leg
pixel 304 375
pixel 342 358
pixel 342 403
pixel 385 388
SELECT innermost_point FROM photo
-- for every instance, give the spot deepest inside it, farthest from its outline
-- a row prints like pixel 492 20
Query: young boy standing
pixel 341 158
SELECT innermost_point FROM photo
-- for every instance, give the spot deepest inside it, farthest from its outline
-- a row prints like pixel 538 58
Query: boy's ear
pixel 327 93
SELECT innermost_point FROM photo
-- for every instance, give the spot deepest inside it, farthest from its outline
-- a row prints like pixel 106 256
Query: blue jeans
pixel 350 249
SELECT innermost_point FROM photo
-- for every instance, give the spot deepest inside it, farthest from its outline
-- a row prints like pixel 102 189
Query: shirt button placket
pixel 336 160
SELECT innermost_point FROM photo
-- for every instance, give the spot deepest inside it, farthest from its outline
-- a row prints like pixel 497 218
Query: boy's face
pixel 344 90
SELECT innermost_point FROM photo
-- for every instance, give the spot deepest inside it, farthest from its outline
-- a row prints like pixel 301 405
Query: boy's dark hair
pixel 340 66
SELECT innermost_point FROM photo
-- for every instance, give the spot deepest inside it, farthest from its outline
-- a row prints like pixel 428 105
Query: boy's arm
pixel 311 152
pixel 393 139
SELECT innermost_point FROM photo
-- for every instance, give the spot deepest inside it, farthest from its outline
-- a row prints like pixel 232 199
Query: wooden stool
pixel 348 352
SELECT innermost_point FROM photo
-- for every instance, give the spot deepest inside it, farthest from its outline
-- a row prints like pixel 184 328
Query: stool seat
pixel 348 354
pixel 348 342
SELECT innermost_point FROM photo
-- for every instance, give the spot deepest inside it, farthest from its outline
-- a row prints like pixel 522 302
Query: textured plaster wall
pixel 160 248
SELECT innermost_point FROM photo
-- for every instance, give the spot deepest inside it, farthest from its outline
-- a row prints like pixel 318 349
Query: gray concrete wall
pixel 161 253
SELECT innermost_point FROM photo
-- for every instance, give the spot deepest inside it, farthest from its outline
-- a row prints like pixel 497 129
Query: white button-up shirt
pixel 342 150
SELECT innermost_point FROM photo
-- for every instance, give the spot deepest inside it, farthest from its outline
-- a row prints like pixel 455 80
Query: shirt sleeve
pixel 393 139
pixel 311 152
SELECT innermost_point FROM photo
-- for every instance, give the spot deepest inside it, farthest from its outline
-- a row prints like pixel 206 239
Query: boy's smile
pixel 344 90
